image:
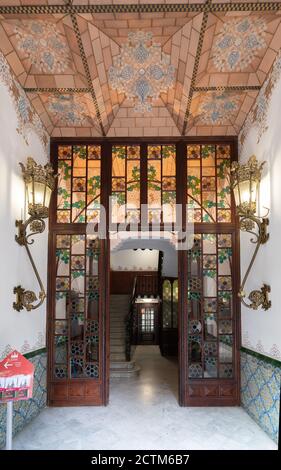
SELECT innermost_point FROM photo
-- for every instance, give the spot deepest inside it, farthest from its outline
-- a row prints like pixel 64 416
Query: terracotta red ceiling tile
pixel 267 61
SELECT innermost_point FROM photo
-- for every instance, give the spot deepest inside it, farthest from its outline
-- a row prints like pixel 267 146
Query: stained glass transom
pixel 161 183
pixel 208 189
pixel 79 183
pixel 126 184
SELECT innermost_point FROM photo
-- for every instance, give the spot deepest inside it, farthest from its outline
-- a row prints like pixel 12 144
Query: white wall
pixel 23 330
pixel 131 260
pixel 261 330
pixel 170 255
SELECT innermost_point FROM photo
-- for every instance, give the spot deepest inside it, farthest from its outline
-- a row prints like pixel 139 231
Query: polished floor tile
pixel 143 413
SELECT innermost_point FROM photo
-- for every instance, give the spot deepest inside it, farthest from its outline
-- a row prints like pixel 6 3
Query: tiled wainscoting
pixel 260 390
pixel 25 411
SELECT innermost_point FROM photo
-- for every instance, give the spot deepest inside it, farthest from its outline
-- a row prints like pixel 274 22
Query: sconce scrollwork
pixel 245 182
pixel 39 184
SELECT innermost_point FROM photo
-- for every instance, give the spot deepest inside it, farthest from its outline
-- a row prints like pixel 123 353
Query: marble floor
pixel 143 413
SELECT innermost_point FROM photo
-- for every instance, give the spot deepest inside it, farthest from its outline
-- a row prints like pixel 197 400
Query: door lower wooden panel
pixel 217 394
pixel 75 393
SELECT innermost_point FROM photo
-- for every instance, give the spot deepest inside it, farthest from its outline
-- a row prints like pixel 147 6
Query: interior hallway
pixel 143 413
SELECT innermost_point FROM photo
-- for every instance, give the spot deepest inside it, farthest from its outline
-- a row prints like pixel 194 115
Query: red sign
pixel 16 378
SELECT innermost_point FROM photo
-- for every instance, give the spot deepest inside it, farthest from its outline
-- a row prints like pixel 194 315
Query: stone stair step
pixel 124 369
pixel 117 334
pixel 119 348
pixel 117 342
pixel 117 329
pixel 122 364
pixel 117 357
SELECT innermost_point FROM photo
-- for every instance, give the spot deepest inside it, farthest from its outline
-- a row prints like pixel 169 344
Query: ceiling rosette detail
pixel 141 71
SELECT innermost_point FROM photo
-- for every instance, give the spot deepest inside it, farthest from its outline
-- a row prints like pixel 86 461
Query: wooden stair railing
pixel 129 323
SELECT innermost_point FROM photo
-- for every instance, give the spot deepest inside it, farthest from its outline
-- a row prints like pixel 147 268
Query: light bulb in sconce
pixel 39 184
pixel 245 183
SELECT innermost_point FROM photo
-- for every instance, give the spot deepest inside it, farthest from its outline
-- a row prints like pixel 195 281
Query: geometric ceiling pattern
pixel 61 52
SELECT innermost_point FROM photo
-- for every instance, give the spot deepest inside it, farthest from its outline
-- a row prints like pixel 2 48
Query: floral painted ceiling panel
pixel 238 49
pixel 219 112
pixel 67 113
pixel 43 51
pixel 63 54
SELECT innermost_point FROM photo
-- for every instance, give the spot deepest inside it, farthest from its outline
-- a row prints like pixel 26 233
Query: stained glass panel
pixel 79 174
pixel 76 326
pixel 125 183
pixel 161 183
pixel 167 304
pixel 210 319
pixel 208 189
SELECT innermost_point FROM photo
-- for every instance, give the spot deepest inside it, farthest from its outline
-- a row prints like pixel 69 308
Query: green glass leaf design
pixel 63 193
pixel 62 255
pixel 208 204
pixel 119 152
pixel 94 184
pixel 79 204
pixel 168 151
pixel 151 173
pixel 206 218
pixel 222 169
pixel 224 254
pixel 66 169
pixel 169 197
pixel 76 274
pixel 225 295
pixel 207 150
pixel 120 198
pixel 136 173
pixel 209 273
pixel 80 151
pixel 222 194
pixel 193 183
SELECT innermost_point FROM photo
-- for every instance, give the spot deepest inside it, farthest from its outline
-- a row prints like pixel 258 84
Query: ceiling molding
pixel 227 88
pixel 139 8
pixel 57 90
pixel 87 70
pixel 196 65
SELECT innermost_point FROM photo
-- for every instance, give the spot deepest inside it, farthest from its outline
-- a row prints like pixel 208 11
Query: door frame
pixel 181 185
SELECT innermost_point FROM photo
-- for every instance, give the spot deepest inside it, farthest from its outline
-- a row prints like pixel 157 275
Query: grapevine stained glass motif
pixel 76 322
pixel 126 184
pixel 208 189
pixel 210 317
pixel 161 183
pixel 79 183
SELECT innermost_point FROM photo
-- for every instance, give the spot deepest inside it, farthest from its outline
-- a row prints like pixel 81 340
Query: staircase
pixel 119 367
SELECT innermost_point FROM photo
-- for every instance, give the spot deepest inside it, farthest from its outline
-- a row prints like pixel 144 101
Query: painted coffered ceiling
pixel 62 53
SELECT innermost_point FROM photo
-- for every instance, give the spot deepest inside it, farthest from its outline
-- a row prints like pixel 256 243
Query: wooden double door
pixel 147 323
pixel 208 267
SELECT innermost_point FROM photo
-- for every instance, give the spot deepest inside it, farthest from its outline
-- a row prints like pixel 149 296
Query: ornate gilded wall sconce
pixel 39 184
pixel 245 183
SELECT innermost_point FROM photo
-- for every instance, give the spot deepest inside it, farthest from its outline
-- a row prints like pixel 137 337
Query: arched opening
pixel 143 318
